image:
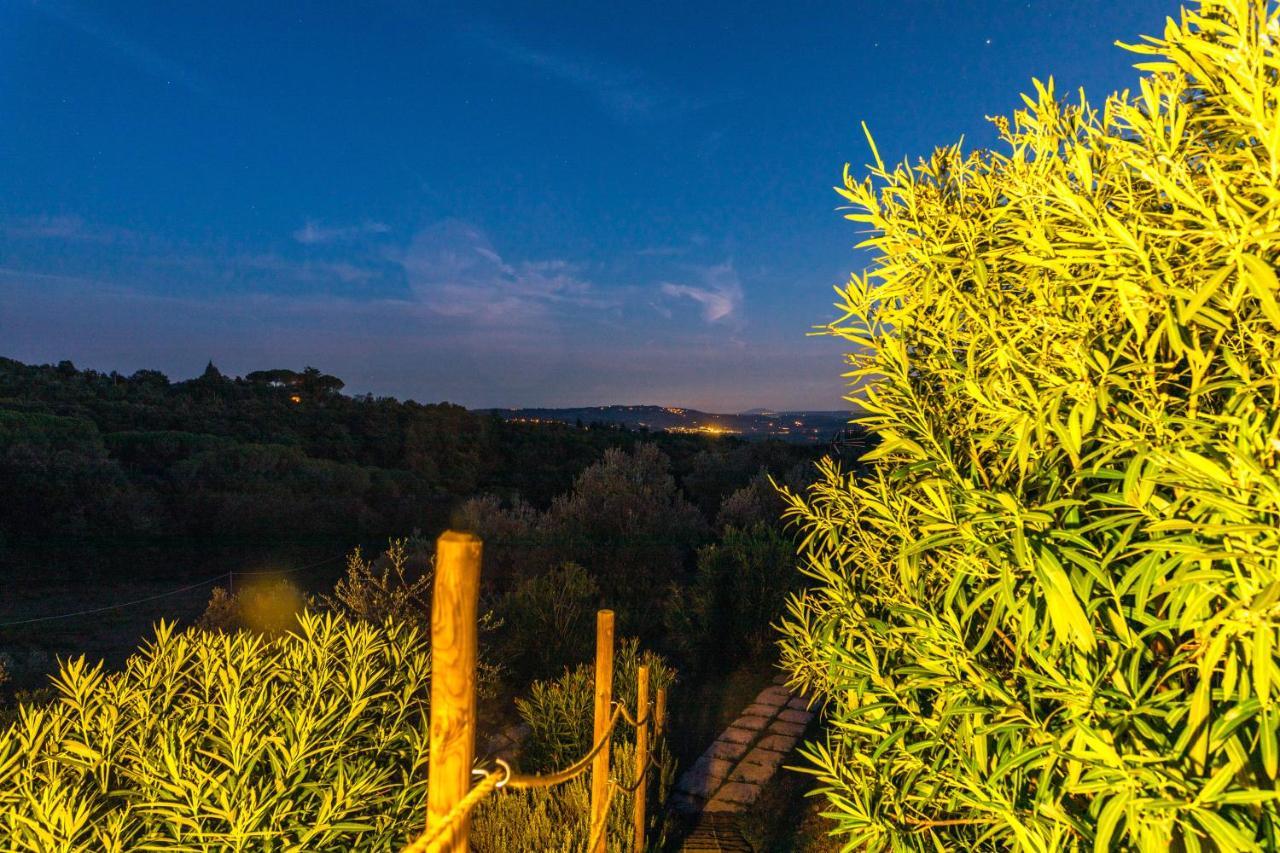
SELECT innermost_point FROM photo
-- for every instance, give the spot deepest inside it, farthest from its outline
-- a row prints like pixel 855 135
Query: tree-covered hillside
pixel 84 452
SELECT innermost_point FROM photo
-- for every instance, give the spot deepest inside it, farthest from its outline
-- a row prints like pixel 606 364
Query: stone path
pixel 729 776
pixel 716 832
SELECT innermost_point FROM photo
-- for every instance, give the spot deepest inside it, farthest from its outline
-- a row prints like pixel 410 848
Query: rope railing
pixel 450 795
pixel 573 771
pixel 635 785
pixel 632 721
pixel 504 777
pixel 458 814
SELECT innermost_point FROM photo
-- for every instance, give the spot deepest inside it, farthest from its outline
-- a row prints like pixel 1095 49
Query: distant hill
pixel 87 453
pixel 798 427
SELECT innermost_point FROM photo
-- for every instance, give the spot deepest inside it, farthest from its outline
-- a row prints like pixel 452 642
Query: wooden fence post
pixel 660 715
pixel 453 683
pixel 604 711
pixel 641 778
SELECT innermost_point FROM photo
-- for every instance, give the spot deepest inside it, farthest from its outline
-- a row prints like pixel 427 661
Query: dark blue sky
pixel 495 204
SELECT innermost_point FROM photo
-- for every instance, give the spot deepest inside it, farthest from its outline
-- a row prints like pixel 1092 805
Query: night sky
pixel 494 204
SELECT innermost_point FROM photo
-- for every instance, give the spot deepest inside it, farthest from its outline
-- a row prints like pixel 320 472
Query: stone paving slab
pixel 782 727
pixel 752 722
pixel 778 743
pixel 742 793
pixel 730 775
pixel 705 776
pixel 724 749
pixel 703 786
pixel 766 757
pixel 775 695
pixel 755 774
pixel 791 715
pixel 712 766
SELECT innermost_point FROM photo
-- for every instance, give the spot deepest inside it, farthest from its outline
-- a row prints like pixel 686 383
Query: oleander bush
pixel 560 716
pixel 309 740
pixel 560 712
pixel 727 613
pixel 557 820
pixel 548 621
pixel 1045 617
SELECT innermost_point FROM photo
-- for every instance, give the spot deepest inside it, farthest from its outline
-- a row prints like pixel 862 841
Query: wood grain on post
pixel 641 778
pixel 453 683
pixel 604 711
pixel 660 715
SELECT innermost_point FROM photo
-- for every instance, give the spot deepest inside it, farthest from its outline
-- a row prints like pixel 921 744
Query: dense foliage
pixel 234 735
pixel 310 740
pixel 1046 619
pixel 83 452
pixel 729 609
pixel 548 621
pixel 559 711
pixel 239 703
pixel 558 714
pixel 625 522
pixel 557 820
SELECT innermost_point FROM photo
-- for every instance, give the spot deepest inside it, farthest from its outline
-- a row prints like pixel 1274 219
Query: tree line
pixel 85 453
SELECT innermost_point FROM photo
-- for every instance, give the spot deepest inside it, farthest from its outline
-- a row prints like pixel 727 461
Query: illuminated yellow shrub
pixel 313 740
pixel 1046 619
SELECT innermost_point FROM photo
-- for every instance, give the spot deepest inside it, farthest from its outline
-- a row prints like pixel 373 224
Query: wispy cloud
pixel 661 251
pixel 135 53
pixel 399 346
pixel 388 344
pixel 310 270
pixel 454 269
pixel 626 95
pixel 313 233
pixel 719 293
pixel 293 270
pixel 64 227
pixel 447 314
pixel 27 275
pixel 362 278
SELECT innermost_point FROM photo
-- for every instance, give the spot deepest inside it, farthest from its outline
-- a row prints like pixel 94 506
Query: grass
pixel 87 577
